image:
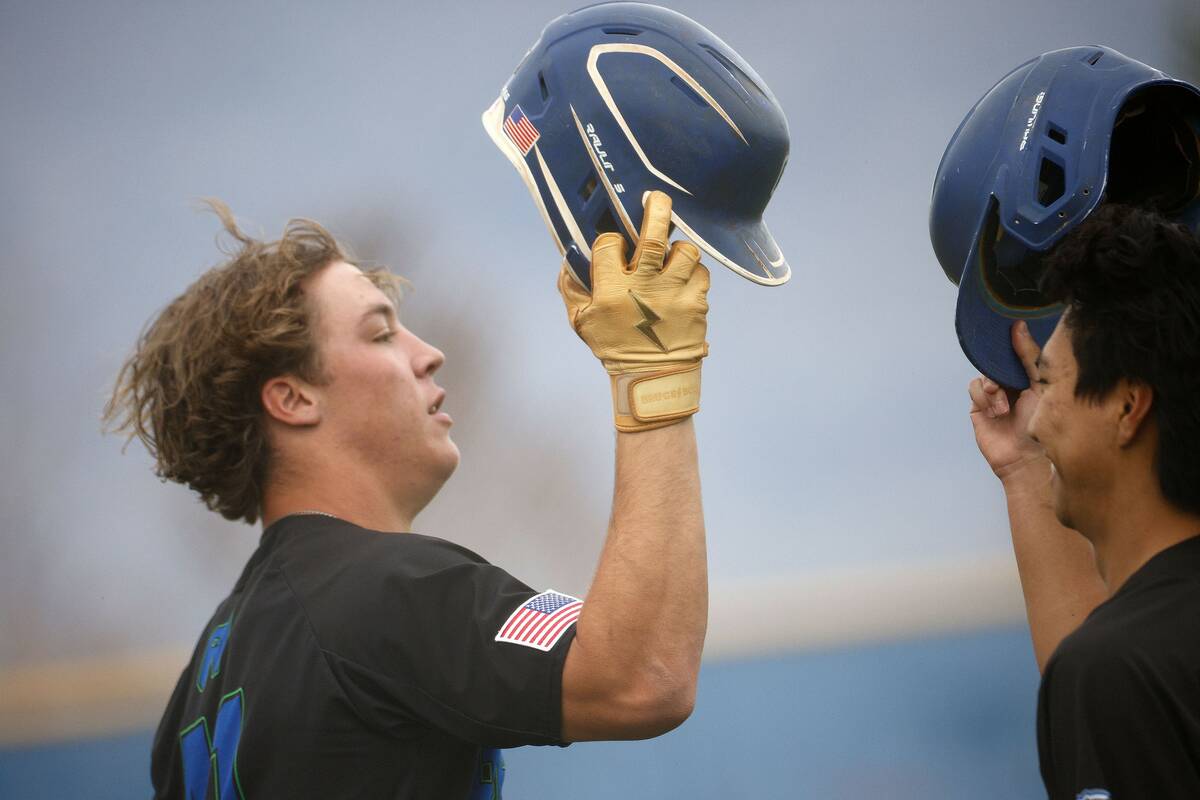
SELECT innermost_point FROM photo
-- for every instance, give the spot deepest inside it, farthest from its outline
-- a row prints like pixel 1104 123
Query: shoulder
pixel 1132 638
pixel 349 579
pixel 323 550
pixel 1091 658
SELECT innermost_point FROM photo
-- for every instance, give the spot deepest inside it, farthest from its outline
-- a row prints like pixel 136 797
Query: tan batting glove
pixel 645 320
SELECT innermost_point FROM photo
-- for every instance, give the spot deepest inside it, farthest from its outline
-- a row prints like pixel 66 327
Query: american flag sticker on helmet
pixel 521 131
pixel 541 620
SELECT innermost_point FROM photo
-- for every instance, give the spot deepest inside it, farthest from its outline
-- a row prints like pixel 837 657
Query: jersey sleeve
pixel 1107 729
pixel 431 636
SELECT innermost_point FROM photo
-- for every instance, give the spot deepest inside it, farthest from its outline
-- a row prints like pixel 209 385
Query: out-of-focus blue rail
pixel 944 717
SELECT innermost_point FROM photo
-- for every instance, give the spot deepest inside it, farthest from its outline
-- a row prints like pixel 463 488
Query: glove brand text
pixel 678 393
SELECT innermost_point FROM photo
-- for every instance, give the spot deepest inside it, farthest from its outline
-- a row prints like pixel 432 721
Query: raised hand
pixel 645 319
pixel 1001 416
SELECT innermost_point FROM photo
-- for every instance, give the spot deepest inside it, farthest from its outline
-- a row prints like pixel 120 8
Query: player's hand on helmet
pixel 1001 416
pixel 645 319
pixel 647 311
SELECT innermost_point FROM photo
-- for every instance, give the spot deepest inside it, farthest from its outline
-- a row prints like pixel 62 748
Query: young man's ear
pixel 1136 401
pixel 289 400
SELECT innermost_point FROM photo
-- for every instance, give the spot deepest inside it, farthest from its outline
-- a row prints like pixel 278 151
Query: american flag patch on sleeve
pixel 521 131
pixel 541 620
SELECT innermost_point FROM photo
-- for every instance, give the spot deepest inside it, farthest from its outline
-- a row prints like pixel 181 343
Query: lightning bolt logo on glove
pixel 645 319
pixel 646 326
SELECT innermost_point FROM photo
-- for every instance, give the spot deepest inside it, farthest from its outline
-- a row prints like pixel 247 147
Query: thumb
pixel 575 296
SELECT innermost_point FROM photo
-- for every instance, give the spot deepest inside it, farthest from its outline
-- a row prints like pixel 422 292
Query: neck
pixel 1137 526
pixel 359 504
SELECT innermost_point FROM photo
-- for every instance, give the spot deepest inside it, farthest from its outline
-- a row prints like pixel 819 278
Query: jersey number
pixel 207 758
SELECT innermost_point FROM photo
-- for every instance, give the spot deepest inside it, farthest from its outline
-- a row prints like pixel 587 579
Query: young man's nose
pixel 428 360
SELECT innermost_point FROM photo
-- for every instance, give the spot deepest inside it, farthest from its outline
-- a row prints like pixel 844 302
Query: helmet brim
pixel 984 326
pixel 748 248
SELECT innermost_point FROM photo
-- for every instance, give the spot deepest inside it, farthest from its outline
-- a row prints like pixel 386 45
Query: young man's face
pixel 380 400
pixel 1078 435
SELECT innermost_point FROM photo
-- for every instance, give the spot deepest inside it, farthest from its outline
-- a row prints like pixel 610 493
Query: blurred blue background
pixel 951 717
pixel 843 491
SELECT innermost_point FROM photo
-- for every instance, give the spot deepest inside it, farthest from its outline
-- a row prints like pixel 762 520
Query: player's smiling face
pixel 380 401
pixel 1076 433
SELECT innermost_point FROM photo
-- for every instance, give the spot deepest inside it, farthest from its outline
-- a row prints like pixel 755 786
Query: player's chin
pixel 447 457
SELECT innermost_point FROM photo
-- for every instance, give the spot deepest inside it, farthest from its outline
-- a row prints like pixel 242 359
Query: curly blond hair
pixel 191 390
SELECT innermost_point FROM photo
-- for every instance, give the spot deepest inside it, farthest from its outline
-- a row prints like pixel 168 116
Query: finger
pixel 1027 349
pixel 979 399
pixel 996 396
pixel 656 228
pixel 682 259
pixel 574 295
pixel 608 257
pixel 702 280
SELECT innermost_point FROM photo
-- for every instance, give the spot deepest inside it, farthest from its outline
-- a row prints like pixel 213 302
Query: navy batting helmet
pixel 1031 160
pixel 619 99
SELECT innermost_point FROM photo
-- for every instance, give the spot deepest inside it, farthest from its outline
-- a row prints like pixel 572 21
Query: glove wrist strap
pixel 643 401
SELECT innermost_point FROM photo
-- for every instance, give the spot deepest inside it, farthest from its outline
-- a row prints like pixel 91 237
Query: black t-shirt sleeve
pixel 1107 728
pixel 412 644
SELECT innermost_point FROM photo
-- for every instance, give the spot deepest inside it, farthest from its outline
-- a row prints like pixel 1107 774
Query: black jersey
pixel 1119 704
pixel 352 663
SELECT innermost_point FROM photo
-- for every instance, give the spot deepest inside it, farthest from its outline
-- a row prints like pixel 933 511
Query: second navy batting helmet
pixel 1031 160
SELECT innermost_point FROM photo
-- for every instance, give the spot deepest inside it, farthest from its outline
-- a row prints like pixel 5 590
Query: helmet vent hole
pixel 1057 134
pixel 687 90
pixel 736 71
pixel 545 90
pixel 588 188
pixel 607 223
pixel 1094 57
pixel 1052 182
pixel 621 31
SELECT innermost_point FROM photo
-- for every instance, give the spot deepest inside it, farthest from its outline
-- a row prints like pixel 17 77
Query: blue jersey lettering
pixel 206 759
pixel 490 776
pixel 210 662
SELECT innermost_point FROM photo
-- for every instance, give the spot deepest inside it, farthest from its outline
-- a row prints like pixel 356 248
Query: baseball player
pixel 1064 209
pixel 1098 459
pixel 354 657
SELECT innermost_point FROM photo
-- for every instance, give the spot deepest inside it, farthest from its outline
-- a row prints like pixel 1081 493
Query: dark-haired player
pixel 1100 463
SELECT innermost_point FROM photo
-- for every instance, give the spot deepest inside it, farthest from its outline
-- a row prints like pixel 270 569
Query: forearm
pixel 1057 565
pixel 647 609
pixel 631 670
